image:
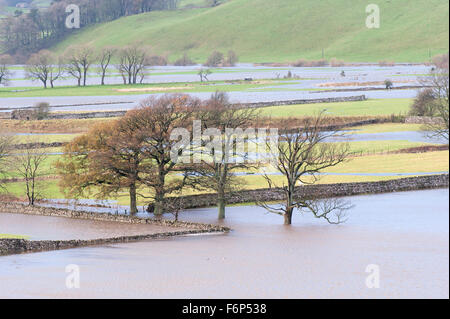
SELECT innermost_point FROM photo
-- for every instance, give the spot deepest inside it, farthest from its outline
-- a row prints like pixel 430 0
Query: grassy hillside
pixel 285 30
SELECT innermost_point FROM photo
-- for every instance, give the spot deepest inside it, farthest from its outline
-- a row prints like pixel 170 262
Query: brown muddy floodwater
pixel 53 228
pixel 406 235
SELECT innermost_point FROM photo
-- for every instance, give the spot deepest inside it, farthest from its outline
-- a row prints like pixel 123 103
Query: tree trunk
pixel 159 204
pixel 221 204
pixel 288 217
pixel 133 202
pixel 84 77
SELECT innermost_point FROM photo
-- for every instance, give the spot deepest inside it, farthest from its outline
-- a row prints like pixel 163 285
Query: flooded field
pixel 54 228
pixel 310 80
pixel 406 235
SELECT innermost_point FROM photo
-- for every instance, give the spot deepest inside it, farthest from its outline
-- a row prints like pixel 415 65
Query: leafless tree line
pixel 135 154
pixel 77 61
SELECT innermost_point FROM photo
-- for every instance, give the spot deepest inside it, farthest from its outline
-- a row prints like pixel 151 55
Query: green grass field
pixel 284 30
pixel 139 89
pixel 372 164
pixel 386 127
pixel 8 236
pixel 361 108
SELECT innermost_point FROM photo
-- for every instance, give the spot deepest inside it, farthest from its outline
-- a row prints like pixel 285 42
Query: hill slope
pixel 285 30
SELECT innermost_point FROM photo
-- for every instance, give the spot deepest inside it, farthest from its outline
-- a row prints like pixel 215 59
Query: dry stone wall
pixel 323 191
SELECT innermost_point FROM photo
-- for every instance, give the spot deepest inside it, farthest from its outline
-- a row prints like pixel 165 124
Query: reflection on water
pixel 406 234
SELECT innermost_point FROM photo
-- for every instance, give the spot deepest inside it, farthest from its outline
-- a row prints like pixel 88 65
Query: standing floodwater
pixel 405 234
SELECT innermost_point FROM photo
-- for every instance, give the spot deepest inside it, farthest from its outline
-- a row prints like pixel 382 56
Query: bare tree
pixel 40 67
pixel 5 148
pixel 56 72
pixel 155 119
pixel 79 60
pixel 300 157
pixel 5 72
pixel 437 84
pixel 132 63
pixel 185 60
pixel 232 58
pixel 105 161
pixel 104 58
pixel 215 59
pixel 29 166
pixel 217 172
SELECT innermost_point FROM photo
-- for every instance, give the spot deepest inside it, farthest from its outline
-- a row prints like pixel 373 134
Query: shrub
pixel 41 111
pixel 388 84
pixel 157 60
pixel 184 61
pixel 232 58
pixel 309 64
pixel 215 59
pixel 336 63
pixel 386 63
pixel 423 104
pixel 397 118
pixel 441 61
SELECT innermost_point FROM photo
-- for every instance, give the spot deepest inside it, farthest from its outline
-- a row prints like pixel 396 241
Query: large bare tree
pixel 132 153
pixel 300 156
pixel 57 71
pixel 30 165
pixel 224 123
pixel 105 161
pixel 133 60
pixel 155 119
pixel 40 67
pixel 78 61
pixel 104 58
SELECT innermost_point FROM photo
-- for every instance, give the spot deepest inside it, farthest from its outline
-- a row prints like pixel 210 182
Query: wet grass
pixel 139 89
pixel 386 128
pixel 8 236
pixel 379 163
pixel 378 107
pixel 396 163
